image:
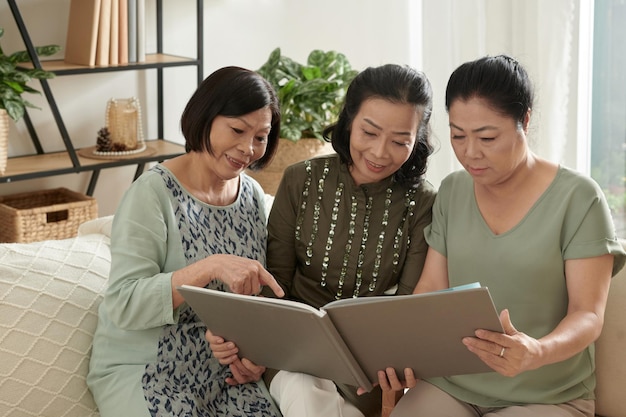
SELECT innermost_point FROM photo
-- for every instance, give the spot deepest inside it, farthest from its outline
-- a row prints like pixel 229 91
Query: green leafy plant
pixel 310 95
pixel 14 79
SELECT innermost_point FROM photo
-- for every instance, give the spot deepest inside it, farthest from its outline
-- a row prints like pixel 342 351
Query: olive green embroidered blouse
pixel 330 239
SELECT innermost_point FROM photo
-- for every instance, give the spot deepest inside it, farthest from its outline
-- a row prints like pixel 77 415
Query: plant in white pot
pixel 310 97
pixel 13 83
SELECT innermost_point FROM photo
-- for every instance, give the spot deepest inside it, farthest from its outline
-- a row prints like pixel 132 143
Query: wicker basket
pixel 289 152
pixel 44 215
pixel 4 140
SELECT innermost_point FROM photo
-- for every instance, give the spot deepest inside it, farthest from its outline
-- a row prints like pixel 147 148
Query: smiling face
pixel 382 138
pixel 236 142
pixel 489 145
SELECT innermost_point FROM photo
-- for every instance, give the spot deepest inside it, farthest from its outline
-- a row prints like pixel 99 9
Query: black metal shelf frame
pixel 157 65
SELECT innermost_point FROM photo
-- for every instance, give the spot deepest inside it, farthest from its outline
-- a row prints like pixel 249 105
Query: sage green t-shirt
pixel 524 270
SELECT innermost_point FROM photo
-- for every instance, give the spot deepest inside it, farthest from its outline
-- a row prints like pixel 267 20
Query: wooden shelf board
pixel 60 162
pixel 59 65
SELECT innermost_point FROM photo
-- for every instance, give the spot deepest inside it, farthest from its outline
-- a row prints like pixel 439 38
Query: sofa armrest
pixel 610 349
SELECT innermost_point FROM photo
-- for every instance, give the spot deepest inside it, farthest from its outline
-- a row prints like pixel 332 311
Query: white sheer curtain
pixel 542 35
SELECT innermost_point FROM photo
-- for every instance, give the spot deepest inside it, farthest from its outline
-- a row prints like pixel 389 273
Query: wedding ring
pixel 502 352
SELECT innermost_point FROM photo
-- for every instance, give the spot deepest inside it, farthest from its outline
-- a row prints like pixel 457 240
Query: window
pixel 608 115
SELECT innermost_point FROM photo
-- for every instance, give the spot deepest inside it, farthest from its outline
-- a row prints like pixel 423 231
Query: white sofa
pixel 49 293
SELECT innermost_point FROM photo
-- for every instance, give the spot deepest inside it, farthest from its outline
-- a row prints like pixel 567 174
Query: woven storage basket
pixel 289 152
pixel 43 215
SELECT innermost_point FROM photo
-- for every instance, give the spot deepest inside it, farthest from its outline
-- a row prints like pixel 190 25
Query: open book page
pixel 276 333
pixel 420 331
pixel 385 298
pixel 288 304
pixel 462 287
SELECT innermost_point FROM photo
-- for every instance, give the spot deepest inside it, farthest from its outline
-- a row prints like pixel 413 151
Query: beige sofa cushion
pixel 49 293
pixel 611 352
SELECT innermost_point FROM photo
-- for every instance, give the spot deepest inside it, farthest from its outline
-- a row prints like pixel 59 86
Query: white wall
pixel 544 37
pixel 441 34
pixel 236 32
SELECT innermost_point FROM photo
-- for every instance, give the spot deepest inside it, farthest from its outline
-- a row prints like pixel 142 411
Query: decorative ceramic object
pixel 123 120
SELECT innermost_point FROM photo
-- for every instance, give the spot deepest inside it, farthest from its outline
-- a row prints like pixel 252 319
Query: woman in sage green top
pixel 538 235
pixel 196 219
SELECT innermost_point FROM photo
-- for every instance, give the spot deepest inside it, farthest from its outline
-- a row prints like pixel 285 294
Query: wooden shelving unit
pixel 43 164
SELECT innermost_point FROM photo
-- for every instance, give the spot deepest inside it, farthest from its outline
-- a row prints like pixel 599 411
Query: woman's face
pixel 382 138
pixel 237 142
pixel 490 145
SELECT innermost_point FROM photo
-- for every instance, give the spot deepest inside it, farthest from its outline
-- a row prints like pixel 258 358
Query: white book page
pixel 295 305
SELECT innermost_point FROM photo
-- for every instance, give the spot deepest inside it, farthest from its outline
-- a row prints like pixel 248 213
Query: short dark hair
pixel 229 91
pixel 398 84
pixel 500 80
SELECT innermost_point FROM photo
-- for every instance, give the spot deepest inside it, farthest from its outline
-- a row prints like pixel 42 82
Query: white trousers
pixel 302 395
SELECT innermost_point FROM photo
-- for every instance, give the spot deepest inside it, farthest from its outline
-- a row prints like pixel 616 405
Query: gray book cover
pixel 349 340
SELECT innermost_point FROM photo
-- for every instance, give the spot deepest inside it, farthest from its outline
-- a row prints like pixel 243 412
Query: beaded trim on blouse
pixel 409 204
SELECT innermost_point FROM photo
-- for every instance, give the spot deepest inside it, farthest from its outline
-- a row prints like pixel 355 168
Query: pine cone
pixel 103 143
pixel 118 147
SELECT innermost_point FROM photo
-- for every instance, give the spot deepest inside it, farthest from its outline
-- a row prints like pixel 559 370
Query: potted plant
pixel 13 83
pixel 310 97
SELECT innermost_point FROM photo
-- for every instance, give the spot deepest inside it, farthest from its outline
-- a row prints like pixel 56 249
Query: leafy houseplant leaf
pixel 310 95
pixel 14 108
pixel 14 79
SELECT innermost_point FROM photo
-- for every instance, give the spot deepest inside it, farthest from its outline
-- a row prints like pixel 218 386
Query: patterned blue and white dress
pixel 149 359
